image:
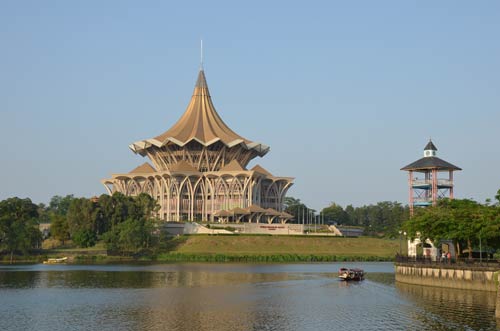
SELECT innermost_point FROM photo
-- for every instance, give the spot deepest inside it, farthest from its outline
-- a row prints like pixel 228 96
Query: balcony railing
pixel 424 182
pixel 429 200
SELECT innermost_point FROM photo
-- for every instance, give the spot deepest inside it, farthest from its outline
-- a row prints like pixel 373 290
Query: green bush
pixel 85 238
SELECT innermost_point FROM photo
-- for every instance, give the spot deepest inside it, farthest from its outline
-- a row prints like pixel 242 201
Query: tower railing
pixel 422 182
pixel 417 200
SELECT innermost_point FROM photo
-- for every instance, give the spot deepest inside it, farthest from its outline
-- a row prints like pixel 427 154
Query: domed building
pixel 199 170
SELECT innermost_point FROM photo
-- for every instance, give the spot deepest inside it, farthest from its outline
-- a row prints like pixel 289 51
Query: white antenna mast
pixel 201 54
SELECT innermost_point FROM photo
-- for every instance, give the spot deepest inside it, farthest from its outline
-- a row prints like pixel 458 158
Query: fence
pixel 485 262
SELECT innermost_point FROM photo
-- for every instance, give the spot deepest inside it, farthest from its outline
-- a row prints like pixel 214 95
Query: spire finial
pixel 201 54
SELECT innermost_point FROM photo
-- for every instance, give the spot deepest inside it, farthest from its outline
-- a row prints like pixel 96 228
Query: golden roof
pixel 200 122
pixel 239 211
pixel 223 213
pixel 272 212
pixel 255 209
pixel 261 170
pixel 143 168
pixel 182 166
pixel 286 215
pixel 234 165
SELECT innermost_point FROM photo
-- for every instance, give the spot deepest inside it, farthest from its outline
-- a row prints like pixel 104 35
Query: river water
pixel 230 297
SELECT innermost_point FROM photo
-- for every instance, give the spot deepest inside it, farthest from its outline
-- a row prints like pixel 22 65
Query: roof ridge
pixel 143 168
pixel 200 122
pixel 258 168
pixel 430 146
pixel 431 162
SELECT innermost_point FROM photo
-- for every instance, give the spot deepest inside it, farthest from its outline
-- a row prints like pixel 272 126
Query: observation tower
pixel 436 179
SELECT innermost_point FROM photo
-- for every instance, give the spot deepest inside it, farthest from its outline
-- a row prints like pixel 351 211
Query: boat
pixel 56 260
pixel 351 274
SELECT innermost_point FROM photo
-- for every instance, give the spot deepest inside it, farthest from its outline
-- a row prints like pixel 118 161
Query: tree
pixel 384 218
pixel 335 213
pixel 18 225
pixel 43 214
pixel 464 221
pixel 131 235
pixel 81 219
pixel 60 205
pixel 59 228
pixel 84 238
pixel 295 207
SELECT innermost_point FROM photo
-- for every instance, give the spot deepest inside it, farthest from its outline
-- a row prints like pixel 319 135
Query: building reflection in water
pixel 198 300
pixel 229 297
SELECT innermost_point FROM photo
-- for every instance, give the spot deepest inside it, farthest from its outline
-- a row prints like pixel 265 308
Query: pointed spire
pixel 430 146
pixel 430 149
pixel 201 54
pixel 202 81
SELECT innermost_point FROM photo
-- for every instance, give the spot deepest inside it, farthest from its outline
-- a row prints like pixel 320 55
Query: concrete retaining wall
pixel 192 228
pixel 247 228
pixel 497 310
pixel 482 279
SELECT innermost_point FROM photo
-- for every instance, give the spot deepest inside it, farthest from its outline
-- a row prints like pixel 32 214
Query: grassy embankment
pixel 280 249
pixel 242 248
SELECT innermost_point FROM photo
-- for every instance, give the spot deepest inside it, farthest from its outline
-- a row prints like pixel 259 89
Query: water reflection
pixel 451 309
pixel 133 279
pixel 230 297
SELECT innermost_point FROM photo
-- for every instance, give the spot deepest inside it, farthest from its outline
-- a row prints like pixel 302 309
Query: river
pixel 185 297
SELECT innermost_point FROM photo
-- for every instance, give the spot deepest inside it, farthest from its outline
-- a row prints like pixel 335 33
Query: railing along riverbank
pixel 466 274
pixel 448 263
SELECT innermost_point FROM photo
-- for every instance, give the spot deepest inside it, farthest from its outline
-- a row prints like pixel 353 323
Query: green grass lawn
pixel 267 245
pixel 249 248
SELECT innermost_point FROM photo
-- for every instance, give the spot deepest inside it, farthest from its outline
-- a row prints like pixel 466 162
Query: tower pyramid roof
pixel 430 146
pixel 430 161
pixel 200 122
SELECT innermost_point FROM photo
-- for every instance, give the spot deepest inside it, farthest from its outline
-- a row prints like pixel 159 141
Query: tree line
pixel 466 222
pixel 382 219
pixel 127 223
pixel 124 223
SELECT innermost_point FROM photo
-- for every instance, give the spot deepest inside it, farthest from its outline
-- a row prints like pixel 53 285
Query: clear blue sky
pixel 345 92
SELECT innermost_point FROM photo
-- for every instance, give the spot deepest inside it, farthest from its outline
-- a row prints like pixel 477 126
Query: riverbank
pixel 241 248
pixel 464 277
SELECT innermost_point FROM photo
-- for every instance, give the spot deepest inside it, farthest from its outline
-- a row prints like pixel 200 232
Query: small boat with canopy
pixel 348 274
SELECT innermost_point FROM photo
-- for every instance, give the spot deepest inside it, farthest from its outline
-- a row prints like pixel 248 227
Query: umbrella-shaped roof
pixel 431 162
pixel 240 211
pixel 143 168
pixel 286 215
pixel 272 212
pixel 255 209
pixel 223 213
pixel 200 122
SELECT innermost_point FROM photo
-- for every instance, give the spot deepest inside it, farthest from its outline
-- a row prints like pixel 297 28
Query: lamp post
pixel 404 234
pixel 400 232
pixel 480 249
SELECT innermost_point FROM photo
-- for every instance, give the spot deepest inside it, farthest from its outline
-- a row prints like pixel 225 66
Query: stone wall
pixel 243 228
pixel 466 278
pixel 497 310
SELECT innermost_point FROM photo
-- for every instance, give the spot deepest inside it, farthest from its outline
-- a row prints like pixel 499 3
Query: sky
pixel 345 92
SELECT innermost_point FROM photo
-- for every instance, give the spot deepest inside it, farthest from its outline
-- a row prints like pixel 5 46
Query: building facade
pixel 199 170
